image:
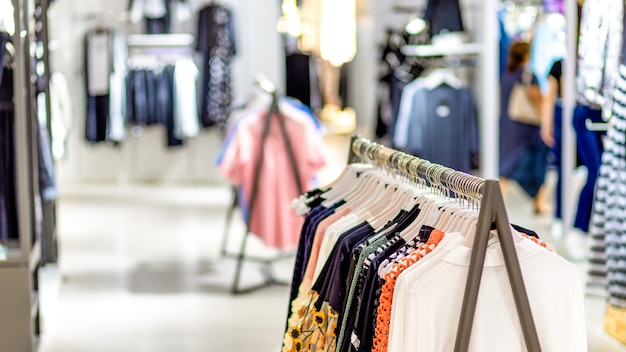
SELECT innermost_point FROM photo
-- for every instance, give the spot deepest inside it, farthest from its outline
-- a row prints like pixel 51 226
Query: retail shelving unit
pixel 19 291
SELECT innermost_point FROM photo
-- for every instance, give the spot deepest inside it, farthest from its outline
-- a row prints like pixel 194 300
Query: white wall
pixel 145 158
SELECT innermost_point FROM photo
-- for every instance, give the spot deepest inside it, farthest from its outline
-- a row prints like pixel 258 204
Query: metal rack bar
pixel 596 126
pixel 492 210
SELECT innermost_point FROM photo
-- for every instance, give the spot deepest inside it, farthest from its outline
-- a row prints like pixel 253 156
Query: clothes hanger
pixel 392 189
pixel 372 194
pixel 461 188
pixel 9 54
pixel 346 181
pixel 428 202
pixel 371 187
pixel 439 76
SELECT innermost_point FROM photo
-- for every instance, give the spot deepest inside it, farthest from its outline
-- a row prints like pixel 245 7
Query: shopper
pixel 589 148
pixel 523 155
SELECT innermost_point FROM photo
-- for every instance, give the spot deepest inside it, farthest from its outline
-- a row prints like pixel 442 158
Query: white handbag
pixel 520 107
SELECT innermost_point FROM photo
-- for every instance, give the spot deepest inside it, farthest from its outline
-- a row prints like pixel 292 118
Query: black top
pixel 556 71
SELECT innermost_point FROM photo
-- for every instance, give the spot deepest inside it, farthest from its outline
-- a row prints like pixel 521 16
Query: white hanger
pixel 441 76
pixel 347 180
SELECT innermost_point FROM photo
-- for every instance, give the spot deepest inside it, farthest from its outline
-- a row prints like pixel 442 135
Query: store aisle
pixel 140 272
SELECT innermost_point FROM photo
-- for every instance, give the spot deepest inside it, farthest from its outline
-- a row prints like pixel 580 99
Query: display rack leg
pixel 266 270
pixel 229 221
pixel 242 252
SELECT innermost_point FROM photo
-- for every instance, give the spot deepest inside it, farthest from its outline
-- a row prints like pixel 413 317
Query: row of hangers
pixel 449 199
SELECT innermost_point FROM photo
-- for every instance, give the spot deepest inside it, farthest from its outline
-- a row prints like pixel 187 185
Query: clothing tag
pixel 356 342
pixel 443 111
pixel 295 202
pixel 302 209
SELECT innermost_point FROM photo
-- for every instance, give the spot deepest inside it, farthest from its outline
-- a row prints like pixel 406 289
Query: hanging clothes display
pixel 162 91
pixel 8 202
pixel 271 219
pixel 607 229
pixel 436 108
pixel 216 41
pixel 382 264
pixel 98 68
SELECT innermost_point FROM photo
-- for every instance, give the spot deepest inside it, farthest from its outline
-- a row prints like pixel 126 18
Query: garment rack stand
pixel 492 210
pixel 266 269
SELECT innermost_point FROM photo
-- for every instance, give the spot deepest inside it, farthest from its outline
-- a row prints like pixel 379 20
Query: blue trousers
pixel 589 149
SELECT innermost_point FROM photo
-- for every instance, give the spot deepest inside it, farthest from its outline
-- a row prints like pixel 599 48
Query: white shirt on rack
pixel 185 106
pixel 433 298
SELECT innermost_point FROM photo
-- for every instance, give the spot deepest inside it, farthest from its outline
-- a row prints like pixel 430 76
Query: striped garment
pixel 608 219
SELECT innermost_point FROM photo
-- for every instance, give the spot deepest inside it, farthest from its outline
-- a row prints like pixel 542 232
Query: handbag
pixel 520 107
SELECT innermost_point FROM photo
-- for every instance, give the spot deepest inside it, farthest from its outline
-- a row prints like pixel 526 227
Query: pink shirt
pixel 271 219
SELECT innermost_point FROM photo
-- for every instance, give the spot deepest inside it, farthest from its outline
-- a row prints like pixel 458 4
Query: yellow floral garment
pixel 311 329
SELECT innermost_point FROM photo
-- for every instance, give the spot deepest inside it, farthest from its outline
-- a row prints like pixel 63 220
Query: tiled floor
pixel 140 271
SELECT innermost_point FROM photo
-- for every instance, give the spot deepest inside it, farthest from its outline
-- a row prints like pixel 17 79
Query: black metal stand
pixel 266 269
pixel 493 210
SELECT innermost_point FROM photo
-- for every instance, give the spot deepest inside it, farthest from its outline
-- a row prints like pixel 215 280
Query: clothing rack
pixel 492 210
pixel 267 272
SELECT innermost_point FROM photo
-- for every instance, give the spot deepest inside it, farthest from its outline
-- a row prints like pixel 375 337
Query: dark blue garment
pixel 395 94
pixel 443 126
pixel 589 147
pixel 330 284
pixel 151 95
pixel 131 118
pixel 361 317
pixel 97 119
pixel 139 97
pixel 158 25
pixel 557 151
pixel 531 171
pixel 311 222
pixel 443 16
pixel 556 71
pixel 165 103
pixel 505 42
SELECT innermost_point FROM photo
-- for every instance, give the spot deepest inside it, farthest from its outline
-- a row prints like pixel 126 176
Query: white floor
pixel 140 270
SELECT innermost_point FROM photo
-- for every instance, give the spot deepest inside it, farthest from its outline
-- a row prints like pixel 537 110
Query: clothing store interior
pixel 175 173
